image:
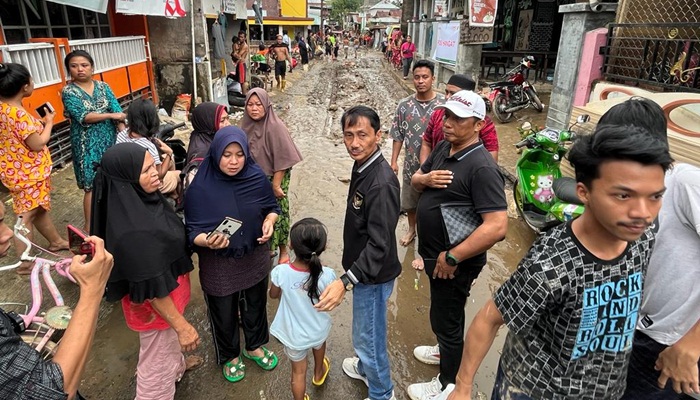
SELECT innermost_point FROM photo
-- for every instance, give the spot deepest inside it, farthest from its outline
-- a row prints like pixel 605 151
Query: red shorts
pixel 241 71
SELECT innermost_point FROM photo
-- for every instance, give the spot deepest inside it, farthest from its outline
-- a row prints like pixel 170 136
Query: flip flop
pixel 234 372
pixel 268 361
pixel 327 364
pixel 306 396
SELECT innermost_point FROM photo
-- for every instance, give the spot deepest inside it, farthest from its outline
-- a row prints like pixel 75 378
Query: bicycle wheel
pixel 33 337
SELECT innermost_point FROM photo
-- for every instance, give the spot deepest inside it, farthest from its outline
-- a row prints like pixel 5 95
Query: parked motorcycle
pixel 514 92
pixel 542 196
pixel 236 97
pixel 165 133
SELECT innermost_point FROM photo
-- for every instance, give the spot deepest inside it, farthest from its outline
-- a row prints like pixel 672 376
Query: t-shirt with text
pixel 571 317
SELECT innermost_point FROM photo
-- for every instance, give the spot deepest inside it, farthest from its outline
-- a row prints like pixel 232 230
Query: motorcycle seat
pixel 565 190
pixel 501 84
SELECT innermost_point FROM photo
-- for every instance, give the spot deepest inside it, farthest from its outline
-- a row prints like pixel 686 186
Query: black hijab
pixel 143 233
pixel 205 123
pixel 213 195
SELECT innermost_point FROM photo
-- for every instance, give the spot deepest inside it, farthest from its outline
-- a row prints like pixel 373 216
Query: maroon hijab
pixel 270 143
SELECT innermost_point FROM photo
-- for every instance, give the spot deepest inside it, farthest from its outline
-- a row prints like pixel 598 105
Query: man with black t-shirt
pixel 460 178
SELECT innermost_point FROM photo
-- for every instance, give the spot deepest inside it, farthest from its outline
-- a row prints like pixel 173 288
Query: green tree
pixel 340 8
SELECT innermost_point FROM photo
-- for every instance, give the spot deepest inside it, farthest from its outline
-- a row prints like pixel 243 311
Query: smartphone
pixel 77 243
pixel 41 110
pixel 227 227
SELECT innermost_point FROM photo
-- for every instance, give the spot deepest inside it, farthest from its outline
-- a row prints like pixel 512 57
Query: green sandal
pixel 234 372
pixel 268 362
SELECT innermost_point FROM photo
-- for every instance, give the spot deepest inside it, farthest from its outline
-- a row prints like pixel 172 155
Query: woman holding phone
pixel 25 161
pixel 233 270
pixel 95 116
pixel 151 273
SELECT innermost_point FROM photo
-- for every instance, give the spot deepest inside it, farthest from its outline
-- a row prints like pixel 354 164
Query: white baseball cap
pixel 465 104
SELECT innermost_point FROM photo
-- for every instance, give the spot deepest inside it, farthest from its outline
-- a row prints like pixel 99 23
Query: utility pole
pixel 323 32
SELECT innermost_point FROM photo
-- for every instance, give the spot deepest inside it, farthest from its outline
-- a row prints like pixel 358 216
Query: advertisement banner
pixel 440 9
pixel 162 8
pixel 230 6
pixel 482 12
pixel 474 34
pixel 447 42
pixel 99 6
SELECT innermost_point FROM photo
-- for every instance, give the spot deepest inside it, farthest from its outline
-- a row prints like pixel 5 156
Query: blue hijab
pixel 213 195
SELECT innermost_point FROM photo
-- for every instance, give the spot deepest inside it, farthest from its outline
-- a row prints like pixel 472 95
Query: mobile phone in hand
pixel 77 243
pixel 227 227
pixel 41 110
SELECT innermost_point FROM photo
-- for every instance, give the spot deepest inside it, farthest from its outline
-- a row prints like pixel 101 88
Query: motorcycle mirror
pixel 583 118
pixel 526 126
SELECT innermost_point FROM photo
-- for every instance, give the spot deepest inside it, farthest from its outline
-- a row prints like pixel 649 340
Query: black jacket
pixel 369 233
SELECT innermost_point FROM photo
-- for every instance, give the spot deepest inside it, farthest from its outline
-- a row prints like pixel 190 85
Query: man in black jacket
pixel 369 257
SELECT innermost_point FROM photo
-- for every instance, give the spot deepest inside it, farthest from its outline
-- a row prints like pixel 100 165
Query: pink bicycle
pixel 40 327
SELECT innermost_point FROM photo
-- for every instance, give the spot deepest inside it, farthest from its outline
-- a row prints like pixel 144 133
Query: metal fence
pixel 657 56
pixel 39 58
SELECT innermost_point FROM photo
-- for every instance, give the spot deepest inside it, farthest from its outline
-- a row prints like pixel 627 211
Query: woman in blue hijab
pixel 233 271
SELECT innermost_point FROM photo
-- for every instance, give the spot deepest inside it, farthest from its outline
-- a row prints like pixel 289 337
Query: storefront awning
pixel 284 21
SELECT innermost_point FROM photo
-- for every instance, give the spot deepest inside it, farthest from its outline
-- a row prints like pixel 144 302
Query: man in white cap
pixel 461 213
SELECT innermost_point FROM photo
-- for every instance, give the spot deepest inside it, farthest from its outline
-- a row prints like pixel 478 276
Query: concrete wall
pixel 578 19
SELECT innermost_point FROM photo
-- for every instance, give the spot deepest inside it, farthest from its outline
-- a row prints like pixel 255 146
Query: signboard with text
pixel 447 42
pixel 482 12
pixel 163 8
pixel 474 34
pixel 440 9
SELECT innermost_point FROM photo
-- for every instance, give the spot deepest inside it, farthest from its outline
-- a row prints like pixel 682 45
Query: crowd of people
pixel 601 307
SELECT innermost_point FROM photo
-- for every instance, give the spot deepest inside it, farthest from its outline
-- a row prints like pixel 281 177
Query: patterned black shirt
pixel 24 375
pixel 571 317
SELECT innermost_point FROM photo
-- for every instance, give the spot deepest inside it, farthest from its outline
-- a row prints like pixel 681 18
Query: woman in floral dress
pixel 95 116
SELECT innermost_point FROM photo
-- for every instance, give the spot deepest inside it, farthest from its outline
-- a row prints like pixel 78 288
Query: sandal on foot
pixel 327 365
pixel 234 372
pixel 306 396
pixel 268 361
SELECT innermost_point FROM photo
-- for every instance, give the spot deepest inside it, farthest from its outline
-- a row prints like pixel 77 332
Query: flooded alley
pixel 311 107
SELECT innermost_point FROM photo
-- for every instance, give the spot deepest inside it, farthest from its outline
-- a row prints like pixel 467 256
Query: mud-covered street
pixel 311 107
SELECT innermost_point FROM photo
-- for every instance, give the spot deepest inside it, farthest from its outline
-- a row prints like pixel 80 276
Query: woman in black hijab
pixel 234 279
pixel 151 265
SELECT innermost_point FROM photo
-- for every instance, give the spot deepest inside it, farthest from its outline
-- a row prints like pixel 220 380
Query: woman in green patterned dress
pixel 95 116
pixel 274 151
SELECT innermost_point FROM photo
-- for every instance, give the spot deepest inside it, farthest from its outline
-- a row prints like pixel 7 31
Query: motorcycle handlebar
pixel 521 143
pixel 166 129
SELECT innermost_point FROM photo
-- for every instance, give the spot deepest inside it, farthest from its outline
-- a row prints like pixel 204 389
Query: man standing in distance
pixel 240 49
pixel 459 179
pixel 370 257
pixel 410 120
pixel 281 56
pixel 568 336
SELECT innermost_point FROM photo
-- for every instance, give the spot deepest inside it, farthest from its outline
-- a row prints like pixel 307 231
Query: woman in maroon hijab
pixel 274 151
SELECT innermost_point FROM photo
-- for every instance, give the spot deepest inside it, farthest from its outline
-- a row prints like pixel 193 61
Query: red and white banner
pixel 482 12
pixel 162 8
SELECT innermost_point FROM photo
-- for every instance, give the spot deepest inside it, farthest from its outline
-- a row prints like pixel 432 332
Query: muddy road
pixel 311 107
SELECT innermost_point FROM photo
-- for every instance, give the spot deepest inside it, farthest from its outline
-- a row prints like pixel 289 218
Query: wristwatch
pixel 347 282
pixel 451 260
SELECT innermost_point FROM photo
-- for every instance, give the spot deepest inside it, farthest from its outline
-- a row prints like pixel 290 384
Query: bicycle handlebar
pixel 20 232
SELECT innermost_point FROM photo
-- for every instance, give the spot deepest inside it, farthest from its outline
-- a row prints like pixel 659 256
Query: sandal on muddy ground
pixel 234 372
pixel 327 367
pixel 268 362
pixel 306 396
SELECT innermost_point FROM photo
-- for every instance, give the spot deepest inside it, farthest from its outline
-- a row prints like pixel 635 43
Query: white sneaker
pixel 350 369
pixel 425 391
pixel 448 389
pixel 428 354
pixel 393 397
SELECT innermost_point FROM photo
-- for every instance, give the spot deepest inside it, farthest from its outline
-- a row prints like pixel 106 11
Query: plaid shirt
pixel 24 375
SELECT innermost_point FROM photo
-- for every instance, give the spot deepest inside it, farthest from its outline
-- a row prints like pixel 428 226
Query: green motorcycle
pixel 542 196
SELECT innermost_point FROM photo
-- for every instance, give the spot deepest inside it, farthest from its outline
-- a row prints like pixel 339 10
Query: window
pixel 21 22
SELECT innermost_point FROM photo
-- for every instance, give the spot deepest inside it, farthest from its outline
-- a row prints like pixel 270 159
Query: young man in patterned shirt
pixel 572 304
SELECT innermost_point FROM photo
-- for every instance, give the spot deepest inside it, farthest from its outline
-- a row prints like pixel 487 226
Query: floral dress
pixel 89 141
pixel 26 173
